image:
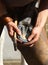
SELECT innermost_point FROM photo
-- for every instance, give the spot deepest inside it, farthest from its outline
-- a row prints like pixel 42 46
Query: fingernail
pixel 28 39
pixel 19 33
pixel 32 45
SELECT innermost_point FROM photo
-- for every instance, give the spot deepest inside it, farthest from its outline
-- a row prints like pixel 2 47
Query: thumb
pixel 31 37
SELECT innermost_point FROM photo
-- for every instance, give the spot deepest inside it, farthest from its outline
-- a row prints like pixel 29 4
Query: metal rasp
pixel 15 37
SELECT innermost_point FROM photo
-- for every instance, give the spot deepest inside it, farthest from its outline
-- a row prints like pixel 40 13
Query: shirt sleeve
pixel 2 9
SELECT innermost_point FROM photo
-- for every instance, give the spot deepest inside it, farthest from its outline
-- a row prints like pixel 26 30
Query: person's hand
pixel 33 38
pixel 11 26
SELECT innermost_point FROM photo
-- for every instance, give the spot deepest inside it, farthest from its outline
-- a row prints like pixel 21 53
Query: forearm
pixel 42 18
pixel 43 13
